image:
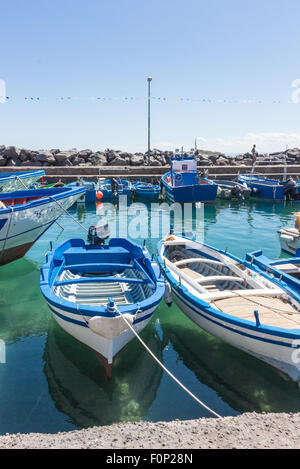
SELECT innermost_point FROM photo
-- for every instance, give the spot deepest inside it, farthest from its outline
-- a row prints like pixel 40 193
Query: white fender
pixel 168 294
pixel 110 327
pixel 287 238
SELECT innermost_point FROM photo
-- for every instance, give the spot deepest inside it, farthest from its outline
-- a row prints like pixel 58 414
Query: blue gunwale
pixel 45 196
pixel 213 313
pixel 6 177
pixel 266 266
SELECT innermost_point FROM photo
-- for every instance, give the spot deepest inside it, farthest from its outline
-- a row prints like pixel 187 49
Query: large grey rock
pixel 98 159
pixel 2 149
pixel 78 161
pixel 137 160
pixel 119 161
pixel 26 155
pixel 46 157
pixel 12 152
pixel 3 160
pixel 294 153
pixel 65 156
pixel 84 154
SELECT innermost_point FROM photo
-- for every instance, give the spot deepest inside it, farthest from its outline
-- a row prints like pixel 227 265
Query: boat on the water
pixel 105 189
pixel 20 180
pixel 146 190
pixel 232 190
pixel 98 292
pixel 233 301
pixel 276 190
pixel 290 237
pixel 285 271
pixel 124 187
pixel 26 215
pixel 90 188
pixel 184 184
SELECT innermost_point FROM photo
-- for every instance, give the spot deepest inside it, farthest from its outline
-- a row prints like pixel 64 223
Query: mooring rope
pixel 166 369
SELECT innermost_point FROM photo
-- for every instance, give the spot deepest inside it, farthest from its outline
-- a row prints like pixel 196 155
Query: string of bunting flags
pixel 153 98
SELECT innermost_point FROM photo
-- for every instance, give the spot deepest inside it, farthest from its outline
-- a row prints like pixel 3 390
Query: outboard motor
pixel 290 189
pixel 114 186
pixel 236 191
pixel 98 233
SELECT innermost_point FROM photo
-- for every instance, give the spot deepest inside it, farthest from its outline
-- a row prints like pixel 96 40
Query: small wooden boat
pixel 147 191
pixel 232 190
pixel 18 181
pixel 96 291
pixel 286 272
pixel 26 215
pixel 233 301
pixel 184 184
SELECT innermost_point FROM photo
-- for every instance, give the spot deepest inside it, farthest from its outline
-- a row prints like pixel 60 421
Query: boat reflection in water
pixel 23 311
pixel 245 383
pixel 83 393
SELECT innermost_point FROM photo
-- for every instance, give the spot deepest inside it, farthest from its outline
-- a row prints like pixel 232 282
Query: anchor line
pixel 166 369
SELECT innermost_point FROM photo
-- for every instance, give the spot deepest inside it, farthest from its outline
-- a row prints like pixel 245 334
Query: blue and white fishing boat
pixel 26 215
pixel 233 301
pixel 98 292
pixel 146 190
pixel 184 184
pixel 124 187
pixel 105 189
pixel 275 190
pixel 17 181
pixel 90 188
pixel 285 271
pixel 289 237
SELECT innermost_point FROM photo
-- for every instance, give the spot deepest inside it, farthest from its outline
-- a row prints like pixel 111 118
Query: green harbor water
pixel 50 382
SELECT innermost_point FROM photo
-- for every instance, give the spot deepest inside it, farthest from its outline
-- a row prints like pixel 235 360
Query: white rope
pixel 66 211
pixel 166 370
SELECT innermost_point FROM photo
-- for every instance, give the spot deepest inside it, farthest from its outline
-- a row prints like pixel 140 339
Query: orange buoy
pixel 99 195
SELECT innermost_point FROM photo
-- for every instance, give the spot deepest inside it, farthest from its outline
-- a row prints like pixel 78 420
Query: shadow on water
pixel 78 386
pixel 242 381
pixel 23 311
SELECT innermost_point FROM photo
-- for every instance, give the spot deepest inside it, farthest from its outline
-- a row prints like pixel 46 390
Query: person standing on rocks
pixel 254 154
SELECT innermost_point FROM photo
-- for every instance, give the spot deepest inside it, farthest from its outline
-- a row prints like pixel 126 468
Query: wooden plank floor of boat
pixel 283 315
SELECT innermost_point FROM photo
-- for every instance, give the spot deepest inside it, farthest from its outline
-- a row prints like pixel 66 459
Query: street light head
pixel 149 79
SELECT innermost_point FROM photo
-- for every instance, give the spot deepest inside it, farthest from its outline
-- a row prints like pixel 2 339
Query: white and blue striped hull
pixel 76 326
pixel 278 351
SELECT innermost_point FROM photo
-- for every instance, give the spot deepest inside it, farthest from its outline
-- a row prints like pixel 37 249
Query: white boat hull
pixel 279 354
pixel 20 228
pixel 76 326
pixel 289 240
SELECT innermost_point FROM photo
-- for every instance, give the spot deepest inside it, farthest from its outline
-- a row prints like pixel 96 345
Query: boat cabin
pixel 184 171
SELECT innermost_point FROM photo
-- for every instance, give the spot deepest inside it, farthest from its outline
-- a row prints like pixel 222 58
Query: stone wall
pixel 12 156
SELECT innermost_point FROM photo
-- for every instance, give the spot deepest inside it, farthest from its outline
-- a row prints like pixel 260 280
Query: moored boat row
pixel 103 295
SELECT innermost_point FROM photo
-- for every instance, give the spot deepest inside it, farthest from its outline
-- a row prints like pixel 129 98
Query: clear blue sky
pixel 233 49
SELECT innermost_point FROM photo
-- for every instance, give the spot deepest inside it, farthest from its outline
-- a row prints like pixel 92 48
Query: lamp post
pixel 149 79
